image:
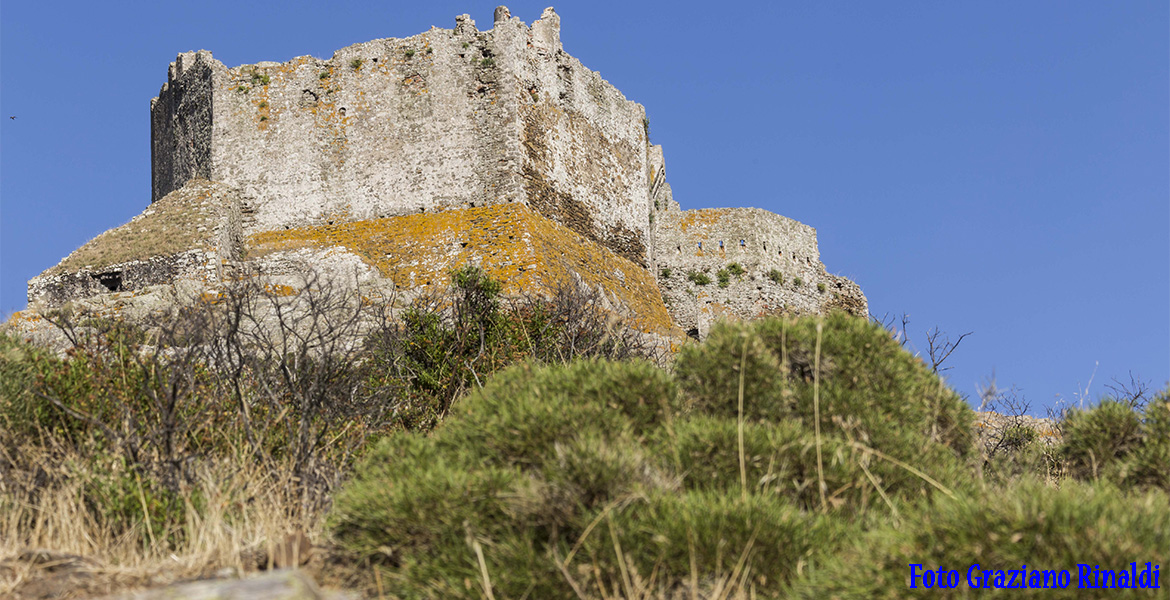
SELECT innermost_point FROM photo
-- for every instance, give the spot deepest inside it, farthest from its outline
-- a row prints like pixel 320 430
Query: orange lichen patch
pixel 280 290
pixel 23 316
pixel 701 217
pixel 514 244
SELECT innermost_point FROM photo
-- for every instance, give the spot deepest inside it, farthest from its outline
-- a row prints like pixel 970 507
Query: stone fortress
pixel 401 159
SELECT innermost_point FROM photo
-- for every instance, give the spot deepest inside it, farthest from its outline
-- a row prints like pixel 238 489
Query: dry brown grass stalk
pixel 242 511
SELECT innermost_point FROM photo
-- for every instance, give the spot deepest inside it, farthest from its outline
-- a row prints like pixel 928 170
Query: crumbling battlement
pixel 397 160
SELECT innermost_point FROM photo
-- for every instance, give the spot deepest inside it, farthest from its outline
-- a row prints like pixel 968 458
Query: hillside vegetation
pixel 472 447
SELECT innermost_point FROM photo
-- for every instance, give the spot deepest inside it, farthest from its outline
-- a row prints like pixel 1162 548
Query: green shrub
pixel 776 276
pixel 487 63
pixel 1150 464
pixel 709 538
pixel 869 387
pixel 664 273
pixel 260 78
pixel 780 461
pixel 522 463
pixel 710 374
pixel 528 408
pixel 698 278
pixel 736 269
pixel 413 507
pixel 1096 442
pixel 1114 441
pixel 1027 523
pixel 323 75
pixel 796 281
pixel 356 64
pixel 409 53
pixel 821 288
pixel 724 278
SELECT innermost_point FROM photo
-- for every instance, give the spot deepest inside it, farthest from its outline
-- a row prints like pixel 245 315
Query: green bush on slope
pixel 541 477
pixel 1027 523
pixel 870 389
pixel 1115 442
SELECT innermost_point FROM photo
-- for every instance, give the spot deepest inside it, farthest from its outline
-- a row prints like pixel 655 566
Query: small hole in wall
pixel 720 244
pixel 375 59
pixel 765 246
pixel 112 280
pixel 341 111
pixel 693 332
pixel 472 205
pixel 742 243
pixel 462 244
pixel 700 245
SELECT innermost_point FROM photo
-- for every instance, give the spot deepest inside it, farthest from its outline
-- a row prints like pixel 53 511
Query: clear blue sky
pixel 995 167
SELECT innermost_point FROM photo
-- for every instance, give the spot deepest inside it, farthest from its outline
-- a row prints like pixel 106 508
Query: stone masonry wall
pixel 181 124
pixel 770 264
pixel 585 146
pixel 193 233
pixel 444 119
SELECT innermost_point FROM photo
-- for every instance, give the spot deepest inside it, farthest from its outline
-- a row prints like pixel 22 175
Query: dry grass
pixel 244 514
pixel 182 220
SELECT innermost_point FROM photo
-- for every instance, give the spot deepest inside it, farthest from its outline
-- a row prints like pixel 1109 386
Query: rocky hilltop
pixel 398 160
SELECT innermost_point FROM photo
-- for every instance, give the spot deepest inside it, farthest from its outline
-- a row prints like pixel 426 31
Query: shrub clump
pixel 1026 523
pixel 698 278
pixel 1116 442
pixel 550 471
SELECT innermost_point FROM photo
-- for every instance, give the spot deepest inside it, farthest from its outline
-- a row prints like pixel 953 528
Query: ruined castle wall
pixel 383 128
pixel 779 259
pixel 714 237
pixel 181 124
pixel 193 233
pixel 445 119
pixel 585 146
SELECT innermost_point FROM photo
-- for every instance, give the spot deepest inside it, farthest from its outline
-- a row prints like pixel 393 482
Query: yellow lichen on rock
pixel 511 242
